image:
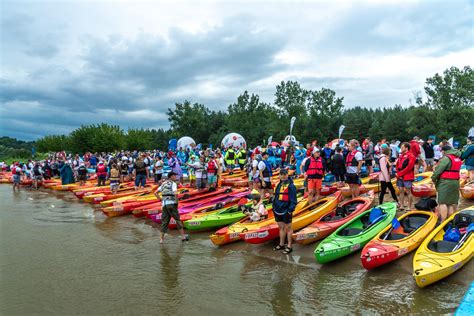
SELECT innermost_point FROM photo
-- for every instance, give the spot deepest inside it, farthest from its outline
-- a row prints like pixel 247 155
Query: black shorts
pixel 285 218
pixel 368 162
pixel 352 178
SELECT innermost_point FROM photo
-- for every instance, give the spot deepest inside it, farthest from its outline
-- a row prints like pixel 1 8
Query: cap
pixel 170 153
pixel 283 171
pixel 124 158
pixel 171 173
pixel 315 150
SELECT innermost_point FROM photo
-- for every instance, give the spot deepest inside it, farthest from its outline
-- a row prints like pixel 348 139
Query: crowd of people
pixel 343 162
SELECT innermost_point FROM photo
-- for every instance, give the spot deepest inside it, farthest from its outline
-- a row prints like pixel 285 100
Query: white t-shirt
pixel 303 162
pixel 261 166
pixel 353 169
pixel 159 167
pixel 255 167
pixel 437 152
pixel 394 149
pixel 198 169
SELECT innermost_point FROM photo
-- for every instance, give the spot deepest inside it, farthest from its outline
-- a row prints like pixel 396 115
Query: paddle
pixel 395 225
pixel 470 229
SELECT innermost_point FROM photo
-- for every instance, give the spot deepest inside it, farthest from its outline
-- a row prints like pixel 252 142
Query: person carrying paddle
pixel 446 179
pixel 169 203
pixel 284 204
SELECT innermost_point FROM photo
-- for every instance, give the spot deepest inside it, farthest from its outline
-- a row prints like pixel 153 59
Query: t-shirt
pixel 255 166
pixel 353 169
pixel 198 167
pixel 394 150
pixel 437 152
pixel 140 168
pixel 262 166
pixel 159 167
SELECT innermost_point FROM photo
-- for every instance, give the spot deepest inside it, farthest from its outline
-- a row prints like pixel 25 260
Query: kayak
pixel 437 258
pixel 304 217
pixel 423 186
pixel 364 188
pixel 232 233
pixel 393 243
pixel 467 190
pixel 466 308
pixel 356 233
pixel 334 219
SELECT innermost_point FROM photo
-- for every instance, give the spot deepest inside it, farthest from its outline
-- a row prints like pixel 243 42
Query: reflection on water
pixel 61 256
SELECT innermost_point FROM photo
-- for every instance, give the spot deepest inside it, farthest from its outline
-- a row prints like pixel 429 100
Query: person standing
pixel 101 172
pixel 265 174
pixel 468 157
pixel 446 179
pixel 16 173
pixel 212 168
pixel 169 203
pixel 314 173
pixel 338 166
pixel 229 159
pixel 114 178
pixel 354 162
pixel 66 173
pixel 428 148
pixel 158 169
pixel 368 148
pixel 405 175
pixel 242 158
pixel 82 174
pixel 140 172
pixel 384 175
pixel 284 204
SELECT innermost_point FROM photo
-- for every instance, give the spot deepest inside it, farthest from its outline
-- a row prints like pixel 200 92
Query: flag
pixel 292 123
pixel 341 129
pixel 471 132
pixel 269 140
pixel 450 141
pixel 395 223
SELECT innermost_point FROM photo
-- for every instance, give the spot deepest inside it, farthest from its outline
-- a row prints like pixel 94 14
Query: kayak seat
pixel 442 246
pixel 350 231
pixel 395 236
pixel 463 219
pixel 337 217
pixel 412 223
pixel 327 218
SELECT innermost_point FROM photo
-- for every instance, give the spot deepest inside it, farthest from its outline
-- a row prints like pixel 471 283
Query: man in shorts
pixel 284 204
pixel 353 165
pixel 212 169
pixel 428 148
pixel 405 168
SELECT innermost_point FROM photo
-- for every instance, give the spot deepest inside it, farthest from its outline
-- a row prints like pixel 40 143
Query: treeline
pixel 447 111
pixel 11 147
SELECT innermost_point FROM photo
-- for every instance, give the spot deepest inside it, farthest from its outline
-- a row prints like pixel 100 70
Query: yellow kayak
pixel 437 258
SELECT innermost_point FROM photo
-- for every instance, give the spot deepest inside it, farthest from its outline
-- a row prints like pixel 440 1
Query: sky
pixel 68 63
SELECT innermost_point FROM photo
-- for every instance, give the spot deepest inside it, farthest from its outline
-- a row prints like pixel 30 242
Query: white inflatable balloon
pixel 235 140
pixel 185 143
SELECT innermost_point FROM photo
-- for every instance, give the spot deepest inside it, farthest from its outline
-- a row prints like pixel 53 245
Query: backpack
pixel 140 165
pixel 426 204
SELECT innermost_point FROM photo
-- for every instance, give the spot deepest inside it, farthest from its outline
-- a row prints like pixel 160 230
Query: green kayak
pixel 223 217
pixel 353 235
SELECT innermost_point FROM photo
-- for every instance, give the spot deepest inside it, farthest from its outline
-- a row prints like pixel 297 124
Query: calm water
pixel 60 256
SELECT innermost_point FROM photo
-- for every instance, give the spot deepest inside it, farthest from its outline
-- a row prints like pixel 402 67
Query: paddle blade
pixel 395 223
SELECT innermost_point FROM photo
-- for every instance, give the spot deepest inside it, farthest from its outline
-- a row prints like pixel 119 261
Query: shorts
pixel 16 179
pixel 368 162
pixel 315 184
pixel 140 180
pixel 114 184
pixel 285 218
pixel 211 179
pixel 352 178
pixel 170 211
pixel 429 161
pixel 404 184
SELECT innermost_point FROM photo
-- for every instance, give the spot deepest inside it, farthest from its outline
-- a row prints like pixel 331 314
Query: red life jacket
pixel 453 172
pixel 101 170
pixel 14 170
pixel 211 167
pixel 283 195
pixel 402 163
pixel 315 170
pixel 351 160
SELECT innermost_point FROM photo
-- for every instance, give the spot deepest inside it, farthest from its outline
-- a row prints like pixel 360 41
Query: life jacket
pixel 267 172
pixel 315 169
pixel 101 170
pixel 230 155
pixel 167 193
pixel 453 172
pixel 212 167
pixel 283 195
pixel 351 160
pixel 141 166
pixel 114 175
pixel 14 170
pixel 402 163
pixel 242 156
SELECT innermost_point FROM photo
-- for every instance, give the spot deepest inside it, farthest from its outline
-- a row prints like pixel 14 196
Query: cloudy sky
pixel 67 63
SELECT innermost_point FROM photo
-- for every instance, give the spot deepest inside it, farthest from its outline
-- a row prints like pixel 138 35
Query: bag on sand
pixel 426 204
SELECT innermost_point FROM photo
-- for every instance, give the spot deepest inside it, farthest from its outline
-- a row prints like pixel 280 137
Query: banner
pixel 341 129
pixel 471 132
pixel 269 141
pixel 172 143
pixel 292 123
pixel 450 141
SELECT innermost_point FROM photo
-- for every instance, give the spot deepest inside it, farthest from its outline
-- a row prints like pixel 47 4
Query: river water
pixel 61 256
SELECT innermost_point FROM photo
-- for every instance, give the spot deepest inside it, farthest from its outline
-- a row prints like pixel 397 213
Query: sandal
pixel 279 247
pixel 287 250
